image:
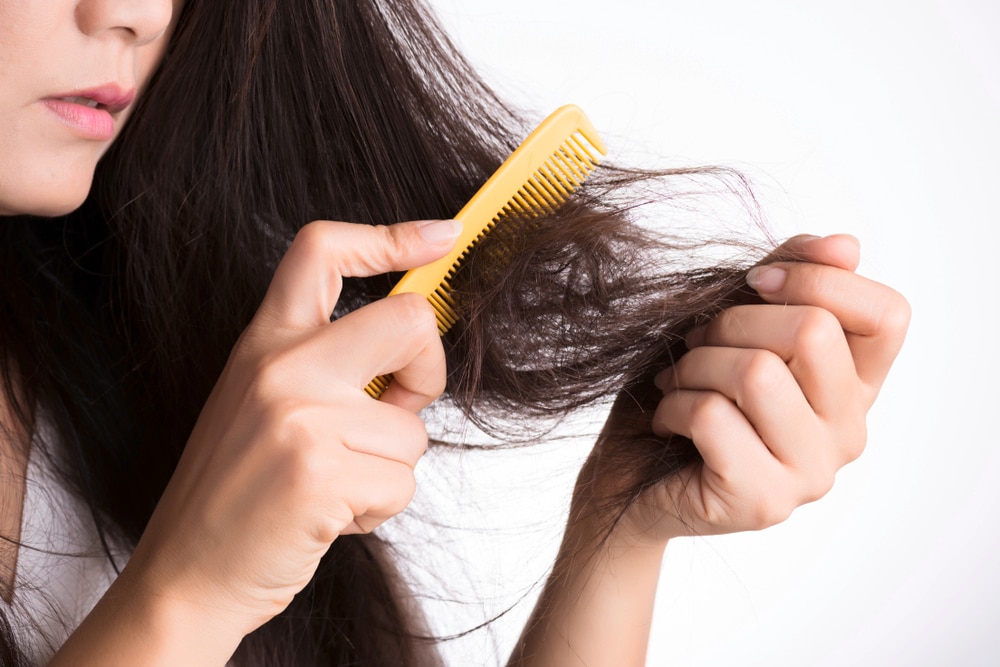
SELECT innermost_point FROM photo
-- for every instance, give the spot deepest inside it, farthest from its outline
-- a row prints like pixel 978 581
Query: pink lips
pixel 91 112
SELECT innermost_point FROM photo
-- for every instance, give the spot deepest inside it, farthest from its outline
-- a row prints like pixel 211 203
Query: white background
pixel 880 119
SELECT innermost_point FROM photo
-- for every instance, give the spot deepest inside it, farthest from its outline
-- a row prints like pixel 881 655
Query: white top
pixel 62 570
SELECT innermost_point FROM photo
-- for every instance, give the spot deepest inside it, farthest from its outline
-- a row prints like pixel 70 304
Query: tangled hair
pixel 266 115
pixel 584 309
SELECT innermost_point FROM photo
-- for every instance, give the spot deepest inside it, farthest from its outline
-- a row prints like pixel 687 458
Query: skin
pixel 49 48
pixel 774 397
pixel 53 47
pixel 289 452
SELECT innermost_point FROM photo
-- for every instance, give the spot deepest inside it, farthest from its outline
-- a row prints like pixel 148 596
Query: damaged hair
pixel 266 115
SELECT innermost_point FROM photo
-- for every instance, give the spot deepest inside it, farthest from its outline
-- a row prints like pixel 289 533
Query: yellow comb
pixel 537 177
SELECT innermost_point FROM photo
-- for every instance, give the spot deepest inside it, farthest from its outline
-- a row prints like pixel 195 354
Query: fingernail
pixel 664 379
pixel 437 232
pixel 766 279
pixel 695 337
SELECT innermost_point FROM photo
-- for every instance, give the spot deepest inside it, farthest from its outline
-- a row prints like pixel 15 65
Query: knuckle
pixel 818 484
pixel 762 373
pixel 393 238
pixel 382 497
pixel 404 488
pixel 357 249
pixel 707 409
pixel 327 528
pixel 855 441
pixel 301 460
pixel 416 435
pixel 818 330
pixel 894 315
pixel 392 494
pixel 416 315
pixel 293 435
pixel 408 433
pixel 264 384
pixel 271 377
pixel 293 431
pixel 312 238
pixel 769 511
pixel 385 246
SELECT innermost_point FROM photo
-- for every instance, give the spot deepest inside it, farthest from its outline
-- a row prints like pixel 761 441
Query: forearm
pixel 129 626
pixel 596 609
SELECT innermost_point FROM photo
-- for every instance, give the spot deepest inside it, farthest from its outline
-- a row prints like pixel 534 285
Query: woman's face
pixel 69 72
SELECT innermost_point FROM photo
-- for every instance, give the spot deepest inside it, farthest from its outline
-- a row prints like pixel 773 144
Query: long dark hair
pixel 263 116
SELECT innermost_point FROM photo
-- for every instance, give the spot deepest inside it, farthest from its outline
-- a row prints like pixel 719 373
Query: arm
pixel 597 606
pixel 133 626
pixel 773 396
pixel 288 454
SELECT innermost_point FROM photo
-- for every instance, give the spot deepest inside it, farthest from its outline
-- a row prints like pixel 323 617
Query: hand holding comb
pixel 538 176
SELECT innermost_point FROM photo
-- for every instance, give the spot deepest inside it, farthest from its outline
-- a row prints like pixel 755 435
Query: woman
pixel 169 357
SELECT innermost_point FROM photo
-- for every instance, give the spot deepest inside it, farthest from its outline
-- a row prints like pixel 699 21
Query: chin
pixel 54 210
pixel 45 200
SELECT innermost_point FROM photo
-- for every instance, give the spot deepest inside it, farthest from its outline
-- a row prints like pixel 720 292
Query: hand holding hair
pixel 289 452
pixel 774 395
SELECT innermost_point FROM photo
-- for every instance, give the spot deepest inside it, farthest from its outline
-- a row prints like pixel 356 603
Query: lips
pixel 91 112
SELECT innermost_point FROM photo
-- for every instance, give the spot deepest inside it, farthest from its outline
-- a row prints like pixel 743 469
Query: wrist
pixel 599 521
pixel 597 606
pixel 135 624
pixel 602 538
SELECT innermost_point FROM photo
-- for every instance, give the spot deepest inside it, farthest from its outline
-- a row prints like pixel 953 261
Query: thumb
pixel 840 250
pixel 307 282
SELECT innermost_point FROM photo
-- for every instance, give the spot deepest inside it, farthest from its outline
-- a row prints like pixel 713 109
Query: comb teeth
pixel 542 193
pixel 444 307
pixel 377 387
pixel 534 181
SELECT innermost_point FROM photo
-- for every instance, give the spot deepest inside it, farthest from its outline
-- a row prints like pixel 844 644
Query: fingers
pixel 384 431
pixel 774 395
pixel 747 482
pixel 379 490
pixel 726 440
pixel 289 451
pixel 741 485
pixel 840 250
pixel 808 339
pixel 397 335
pixel 370 490
pixel 328 466
pixel 307 282
pixel 759 385
pixel 873 316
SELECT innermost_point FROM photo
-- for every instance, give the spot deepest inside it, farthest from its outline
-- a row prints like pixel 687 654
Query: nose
pixel 140 21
